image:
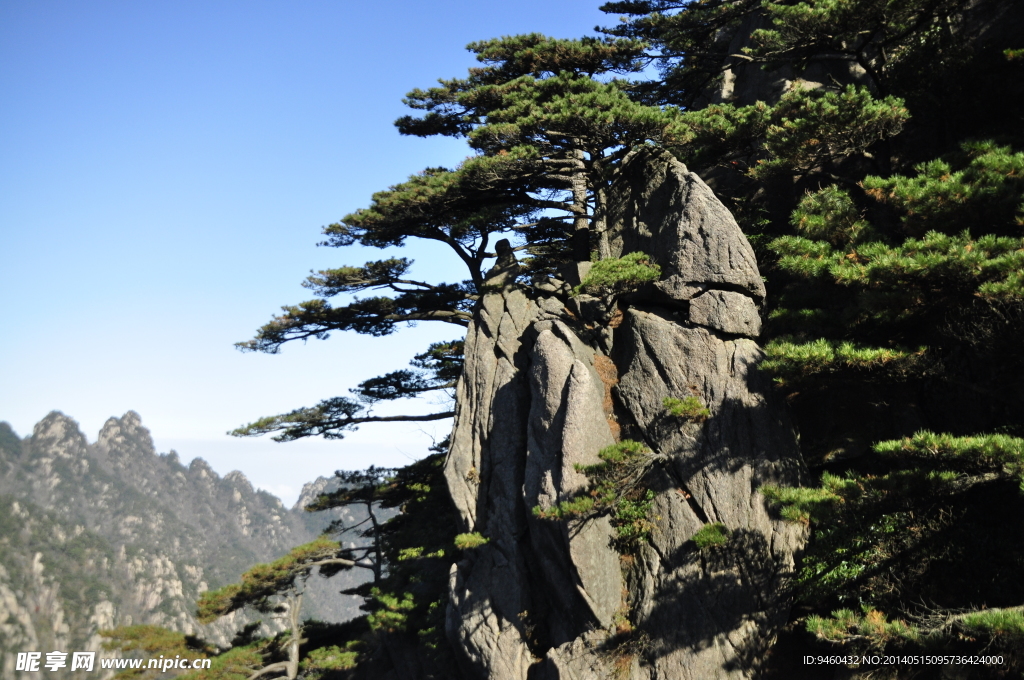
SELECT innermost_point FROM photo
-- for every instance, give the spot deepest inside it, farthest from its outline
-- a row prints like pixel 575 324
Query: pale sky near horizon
pixel 165 170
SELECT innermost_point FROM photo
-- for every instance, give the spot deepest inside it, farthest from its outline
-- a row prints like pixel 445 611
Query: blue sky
pixel 165 169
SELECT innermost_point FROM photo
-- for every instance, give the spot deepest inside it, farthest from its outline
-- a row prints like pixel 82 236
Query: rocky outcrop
pixel 549 381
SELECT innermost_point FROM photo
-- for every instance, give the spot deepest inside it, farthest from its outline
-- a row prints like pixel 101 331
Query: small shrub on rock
pixel 617 275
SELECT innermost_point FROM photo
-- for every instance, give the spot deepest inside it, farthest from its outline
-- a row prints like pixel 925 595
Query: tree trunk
pixel 294 608
pixel 377 556
pixel 581 221
pixel 600 226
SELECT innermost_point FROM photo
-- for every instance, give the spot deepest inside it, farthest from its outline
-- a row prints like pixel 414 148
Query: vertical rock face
pixel 549 381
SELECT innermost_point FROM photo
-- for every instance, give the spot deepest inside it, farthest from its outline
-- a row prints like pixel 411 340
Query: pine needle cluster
pixel 616 488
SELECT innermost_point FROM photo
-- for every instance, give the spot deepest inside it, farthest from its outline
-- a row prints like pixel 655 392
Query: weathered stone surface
pixel 582 659
pixel 732 595
pixel 567 427
pixel 660 208
pixel 544 389
pixel 726 311
pixel 544 401
pixel 493 645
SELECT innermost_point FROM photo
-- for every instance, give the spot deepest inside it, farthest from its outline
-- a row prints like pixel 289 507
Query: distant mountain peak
pixel 311 490
pixel 239 480
pixel 59 435
pixel 200 466
pixel 126 439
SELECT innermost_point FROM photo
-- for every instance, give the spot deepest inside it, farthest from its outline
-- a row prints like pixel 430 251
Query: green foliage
pixel 377 316
pixel 237 663
pixel 970 201
pixel 865 522
pixel 978 190
pixel 264 581
pixel 617 275
pixel 391 613
pixel 576 105
pixel 800 504
pixel 616 488
pixel 893 41
pixel 574 507
pixel 1001 622
pixel 803 131
pixel 984 452
pixel 894 283
pixel 871 624
pixel 873 627
pixel 845 493
pixel 439 369
pixel 631 517
pixel 810 128
pixel 471 540
pixel 417 544
pixel 830 215
pixel 153 641
pixel 687 408
pixel 622 452
pixel 410 553
pixel 443 364
pixel 330 418
pixel 322 661
pixel 936 259
pixel 807 28
pixel 539 93
pixel 711 536
pixel 793 361
pixel 408 601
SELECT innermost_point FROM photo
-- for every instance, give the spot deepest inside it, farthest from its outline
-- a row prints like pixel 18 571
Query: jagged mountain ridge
pixel 99 535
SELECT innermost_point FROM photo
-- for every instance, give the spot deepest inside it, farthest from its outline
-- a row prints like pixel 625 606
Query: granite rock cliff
pixel 550 379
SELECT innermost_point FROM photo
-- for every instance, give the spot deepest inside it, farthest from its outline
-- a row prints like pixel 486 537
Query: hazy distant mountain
pixel 108 534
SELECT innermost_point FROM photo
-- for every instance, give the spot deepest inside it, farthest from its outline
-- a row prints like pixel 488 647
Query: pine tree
pixel 549 126
pixel 278 587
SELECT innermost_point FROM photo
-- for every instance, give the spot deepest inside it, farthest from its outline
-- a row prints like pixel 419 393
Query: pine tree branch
pixel 334 561
pixel 329 419
pixel 272 668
